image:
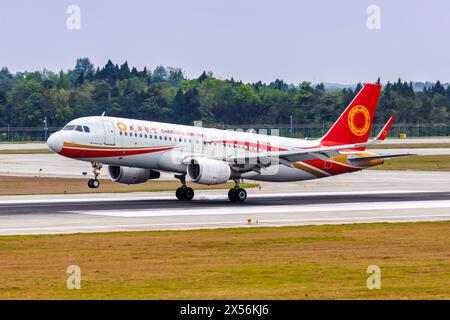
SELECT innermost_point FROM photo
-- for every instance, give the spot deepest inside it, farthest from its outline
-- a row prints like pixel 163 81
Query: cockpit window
pixel 79 128
pixel 86 129
pixel 68 127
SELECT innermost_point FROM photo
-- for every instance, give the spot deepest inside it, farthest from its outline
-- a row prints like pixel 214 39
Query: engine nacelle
pixel 208 171
pixel 128 175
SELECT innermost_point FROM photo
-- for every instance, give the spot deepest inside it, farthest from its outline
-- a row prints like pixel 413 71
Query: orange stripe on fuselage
pixel 330 167
pixel 309 170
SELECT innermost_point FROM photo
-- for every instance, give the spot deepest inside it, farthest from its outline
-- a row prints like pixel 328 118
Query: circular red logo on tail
pixel 359 120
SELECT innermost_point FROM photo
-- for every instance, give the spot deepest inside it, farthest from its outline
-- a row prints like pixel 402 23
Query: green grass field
pixel 425 163
pixel 314 262
pixel 410 146
pixel 25 151
pixel 13 185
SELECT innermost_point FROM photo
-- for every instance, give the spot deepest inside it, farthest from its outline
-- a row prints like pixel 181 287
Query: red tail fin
pixel 354 125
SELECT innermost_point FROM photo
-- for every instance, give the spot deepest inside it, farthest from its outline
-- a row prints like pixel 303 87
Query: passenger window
pixel 165 138
pixel 126 134
pixel 79 128
pixel 150 136
pixel 160 137
pixel 86 129
pixel 140 135
pixel 120 132
pixel 145 136
pixel 135 135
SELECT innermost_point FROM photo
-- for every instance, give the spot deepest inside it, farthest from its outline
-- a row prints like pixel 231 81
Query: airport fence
pixel 22 134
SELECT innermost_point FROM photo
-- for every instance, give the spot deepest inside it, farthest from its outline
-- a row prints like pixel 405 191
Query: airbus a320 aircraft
pixel 136 151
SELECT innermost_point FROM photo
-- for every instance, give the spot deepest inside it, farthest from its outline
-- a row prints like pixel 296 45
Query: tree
pixel 160 74
pixel 109 73
pixel 202 77
pixel 175 76
pixel 124 72
pixel 5 74
pixel 187 106
pixel 25 102
pixel 83 66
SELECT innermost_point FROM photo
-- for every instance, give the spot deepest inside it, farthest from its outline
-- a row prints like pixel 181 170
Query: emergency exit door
pixel 109 132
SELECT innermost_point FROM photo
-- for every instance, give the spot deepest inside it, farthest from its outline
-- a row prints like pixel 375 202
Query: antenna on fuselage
pixel 103 114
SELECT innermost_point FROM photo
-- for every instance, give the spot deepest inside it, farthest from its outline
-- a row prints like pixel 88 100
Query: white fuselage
pixel 164 147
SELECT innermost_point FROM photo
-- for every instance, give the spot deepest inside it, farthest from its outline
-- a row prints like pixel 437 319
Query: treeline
pixel 164 94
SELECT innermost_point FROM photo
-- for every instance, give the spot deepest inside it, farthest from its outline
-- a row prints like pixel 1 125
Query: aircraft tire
pixel 240 194
pixel 180 193
pixel 95 183
pixel 231 195
pixel 188 194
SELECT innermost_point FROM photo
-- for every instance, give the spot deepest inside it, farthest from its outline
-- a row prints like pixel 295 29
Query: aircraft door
pixel 109 133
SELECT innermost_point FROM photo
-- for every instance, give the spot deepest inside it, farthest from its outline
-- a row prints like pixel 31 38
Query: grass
pixel 425 163
pixel 13 185
pixel 22 142
pixel 26 151
pixel 314 262
pixel 410 146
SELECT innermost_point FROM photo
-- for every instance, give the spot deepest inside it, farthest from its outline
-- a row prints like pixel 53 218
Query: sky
pixel 248 40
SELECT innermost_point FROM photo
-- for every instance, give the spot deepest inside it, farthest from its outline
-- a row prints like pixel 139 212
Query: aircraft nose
pixel 55 142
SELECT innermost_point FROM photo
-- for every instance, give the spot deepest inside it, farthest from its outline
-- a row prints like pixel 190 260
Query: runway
pixel 361 197
pixel 212 210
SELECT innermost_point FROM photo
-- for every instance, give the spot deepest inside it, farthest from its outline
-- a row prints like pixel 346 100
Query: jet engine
pixel 208 171
pixel 129 175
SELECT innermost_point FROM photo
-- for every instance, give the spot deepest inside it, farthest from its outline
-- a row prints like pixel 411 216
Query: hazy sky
pixel 248 40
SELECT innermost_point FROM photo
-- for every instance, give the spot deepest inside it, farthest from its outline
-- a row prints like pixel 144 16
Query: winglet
pixel 384 132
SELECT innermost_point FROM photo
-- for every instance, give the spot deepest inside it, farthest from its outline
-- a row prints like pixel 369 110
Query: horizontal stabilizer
pixel 387 156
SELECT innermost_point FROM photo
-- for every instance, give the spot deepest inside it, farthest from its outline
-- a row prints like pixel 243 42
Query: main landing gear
pixel 184 193
pixel 237 193
pixel 95 183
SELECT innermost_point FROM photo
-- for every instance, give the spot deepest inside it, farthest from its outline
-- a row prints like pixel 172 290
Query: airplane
pixel 136 150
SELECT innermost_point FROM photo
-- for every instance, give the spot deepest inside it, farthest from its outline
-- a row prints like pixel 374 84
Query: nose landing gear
pixel 237 193
pixel 95 183
pixel 184 193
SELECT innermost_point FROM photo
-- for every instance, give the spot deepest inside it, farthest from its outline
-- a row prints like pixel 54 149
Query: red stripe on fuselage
pixel 92 153
pixel 248 144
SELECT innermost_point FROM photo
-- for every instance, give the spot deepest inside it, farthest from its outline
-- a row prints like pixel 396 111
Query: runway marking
pixel 44 199
pixel 141 226
pixel 233 210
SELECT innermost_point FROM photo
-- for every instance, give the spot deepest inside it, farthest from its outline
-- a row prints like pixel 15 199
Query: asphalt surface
pixel 214 203
pixel 212 210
